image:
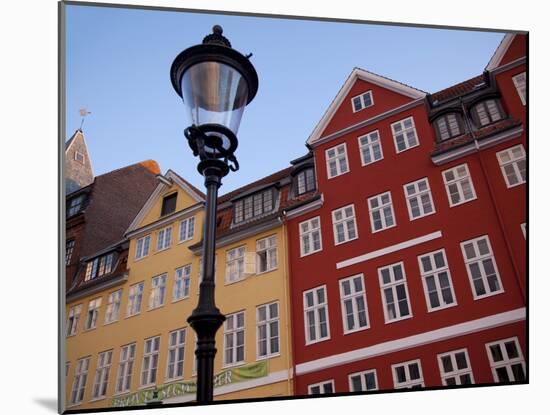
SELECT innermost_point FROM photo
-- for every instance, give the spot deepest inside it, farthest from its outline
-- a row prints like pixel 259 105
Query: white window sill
pixel 464 201
pixel 337 175
pixel 408 148
pixel 317 341
pixel 422 216
pixel 108 323
pixel 269 356
pixel 267 271
pixel 99 398
pixel 346 241
pixel 181 241
pixel 346 332
pixel 133 315
pixel 514 185
pixel 481 297
pixel 177 300
pixel 233 365
pixel 395 320
pixel 121 393
pixel 371 162
pixel 443 307
pixel 384 229
pixel 156 307
pixel 148 386
pixel 310 253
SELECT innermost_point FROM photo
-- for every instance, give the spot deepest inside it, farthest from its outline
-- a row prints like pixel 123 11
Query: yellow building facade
pixel 149 346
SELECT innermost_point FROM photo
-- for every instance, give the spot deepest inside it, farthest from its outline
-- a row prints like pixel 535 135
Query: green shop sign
pixel 175 389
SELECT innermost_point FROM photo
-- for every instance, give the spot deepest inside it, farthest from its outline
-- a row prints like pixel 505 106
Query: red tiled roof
pixel 265 180
pixel 458 89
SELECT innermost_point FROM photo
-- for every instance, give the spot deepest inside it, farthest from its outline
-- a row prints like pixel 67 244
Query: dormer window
pixel 305 181
pixel 99 267
pixel 448 126
pixel 168 204
pixel 362 101
pixel 75 205
pixel 487 112
pixel 253 205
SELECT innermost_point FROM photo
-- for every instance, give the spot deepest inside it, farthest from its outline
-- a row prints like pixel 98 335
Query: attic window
pixel 362 101
pixel 99 267
pixel 168 204
pixel 305 181
pixel 75 205
pixel 253 205
pixel 448 126
pixel 78 156
pixel 487 112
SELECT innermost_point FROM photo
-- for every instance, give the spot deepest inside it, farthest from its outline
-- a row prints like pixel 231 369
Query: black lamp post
pixel 216 83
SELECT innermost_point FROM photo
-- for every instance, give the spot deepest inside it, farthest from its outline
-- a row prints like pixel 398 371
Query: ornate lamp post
pixel 216 83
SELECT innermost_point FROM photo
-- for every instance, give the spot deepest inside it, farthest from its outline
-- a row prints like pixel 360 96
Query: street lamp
pixel 216 83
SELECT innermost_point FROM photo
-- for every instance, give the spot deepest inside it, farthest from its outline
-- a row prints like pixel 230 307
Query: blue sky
pixel 118 63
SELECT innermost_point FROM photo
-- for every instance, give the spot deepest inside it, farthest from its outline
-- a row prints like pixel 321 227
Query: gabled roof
pixel 500 51
pixel 358 73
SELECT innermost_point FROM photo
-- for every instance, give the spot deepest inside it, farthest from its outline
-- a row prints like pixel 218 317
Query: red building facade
pixel 408 258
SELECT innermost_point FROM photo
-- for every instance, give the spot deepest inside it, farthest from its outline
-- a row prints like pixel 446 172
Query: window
pixel 158 291
pixel 404 134
pixel 234 339
pixel 201 271
pixel 102 374
pixel 321 388
pixel 316 315
pixel 487 112
pixel 142 246
pixel 448 126
pixel 134 299
pixel 150 361
pixel 512 163
pixel 125 368
pixel 168 204
pixel 310 236
pixel 234 270
pixel 113 306
pixel 187 229
pixel 459 185
pixel 438 286
pixel 408 375
pixel 75 205
pixel 520 84
pixel 266 254
pixel 523 227
pixel 362 101
pixel 176 352
pixel 254 205
pixel 69 247
pixel 267 329
pixel 93 312
pixel 354 304
pixel 455 368
pixel 164 238
pixel 343 223
pixel 481 266
pixel 72 321
pixel 78 156
pixel 99 267
pixel 79 381
pixel 381 212
pixel 370 148
pixel 363 381
pixel 67 366
pixel 395 295
pixel 506 360
pixel 305 181
pixel 182 282
pixel 419 199
pixel 337 161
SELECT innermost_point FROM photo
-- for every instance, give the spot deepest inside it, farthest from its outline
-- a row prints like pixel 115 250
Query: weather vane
pixel 83 113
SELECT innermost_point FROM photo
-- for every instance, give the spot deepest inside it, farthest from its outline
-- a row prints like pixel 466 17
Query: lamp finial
pixel 216 37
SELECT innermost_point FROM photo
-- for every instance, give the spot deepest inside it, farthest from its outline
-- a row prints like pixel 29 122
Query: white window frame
pixel 507 362
pixel 305 181
pixel 344 221
pixel 143 246
pixel 362 376
pixel 435 272
pixel 164 238
pixel 459 182
pixel 72 319
pixel 308 235
pixel 489 110
pixel 479 258
pixel 523 227
pixel 269 246
pixel 125 368
pixel 364 105
pixel 380 208
pixel 404 131
pixel 235 264
pixel 101 380
pixel 315 308
pixel 135 297
pixel 321 386
pixel 337 158
pixel 520 82
pixel 392 285
pixel 417 195
pixel 69 248
pixel 91 319
pixel 175 357
pixel 373 140
pixel 232 329
pixel 78 153
pixel 267 322
pixel 79 380
pixel 150 362
pixel 455 373
pixel 157 296
pixel 408 383
pixel 512 161
pixel 182 283
pixel 354 296
pixel 187 229
pixel 113 306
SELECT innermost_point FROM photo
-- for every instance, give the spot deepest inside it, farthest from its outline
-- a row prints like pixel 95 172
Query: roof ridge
pixel 390 79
